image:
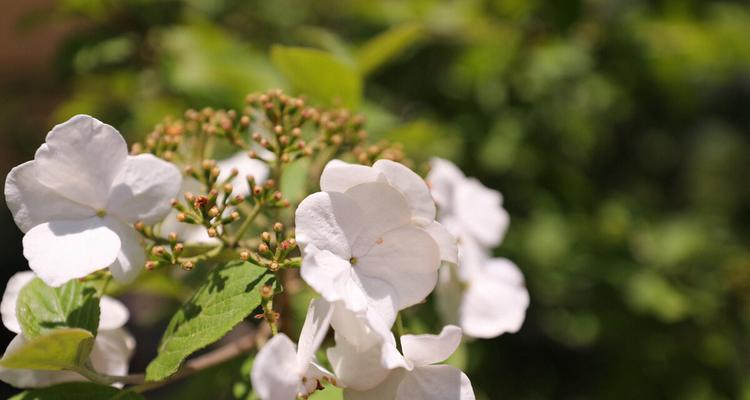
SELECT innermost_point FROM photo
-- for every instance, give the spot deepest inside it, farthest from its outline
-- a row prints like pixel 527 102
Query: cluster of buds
pixel 279 124
pixel 341 128
pixel 162 252
pixel 367 155
pixel 163 141
pixel 273 250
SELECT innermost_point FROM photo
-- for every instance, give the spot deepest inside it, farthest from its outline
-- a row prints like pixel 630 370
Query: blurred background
pixel 618 132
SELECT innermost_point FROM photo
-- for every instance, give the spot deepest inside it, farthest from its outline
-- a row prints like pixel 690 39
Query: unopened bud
pixel 257 190
pixel 208 164
pixel 278 227
pixel 172 237
pixel 292 242
pixel 270 184
pixel 178 248
pixel 296 132
pixel 256 136
pixel 213 211
pixel 284 140
pixel 265 236
pixel 278 129
pixel 212 232
pixel 285 158
pixel 263 248
pixel 215 171
pixel 187 265
pixel 274 266
pixel 266 291
pixel 181 217
pixel 234 215
pixel 245 120
pixel 277 196
pixel 189 197
pixel 139 226
pixel 151 265
pixel 158 251
pixel 228 188
pixel 244 255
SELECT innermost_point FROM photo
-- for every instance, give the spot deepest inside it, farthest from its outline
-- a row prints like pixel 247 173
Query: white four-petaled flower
pixel 281 372
pixel 486 296
pixel 110 354
pixel 79 197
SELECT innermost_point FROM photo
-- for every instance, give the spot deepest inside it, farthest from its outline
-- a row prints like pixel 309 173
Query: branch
pixel 195 365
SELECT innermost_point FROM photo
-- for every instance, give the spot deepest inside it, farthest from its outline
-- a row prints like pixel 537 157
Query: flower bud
pixel 212 232
pixel 139 226
pixel 296 132
pixel 151 265
pixel 228 188
pixel 245 120
pixel 278 227
pixel 266 291
pixel 189 197
pixel 181 217
pixel 213 211
pixel 244 255
pixel 270 184
pixel 158 251
pixel 278 129
pixel 172 237
pixel 263 248
pixel 178 248
pixel 234 215
pixel 274 266
pixel 265 236
pixel 187 265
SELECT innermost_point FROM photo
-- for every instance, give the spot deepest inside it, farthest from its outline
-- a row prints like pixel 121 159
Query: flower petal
pixel 435 382
pixel 112 351
pixel 384 391
pixel 405 258
pixel 274 375
pixel 443 178
pixel 59 251
pixel 80 160
pixel 339 176
pixel 32 203
pixel 332 277
pixel 113 313
pixel 411 185
pixel 356 368
pixel 143 188
pixel 245 166
pixel 131 258
pixel 495 301
pixel 314 330
pixel 10 298
pixel 27 378
pixel 330 221
pixel 480 210
pixel 447 243
pixel 431 349
pixel 383 208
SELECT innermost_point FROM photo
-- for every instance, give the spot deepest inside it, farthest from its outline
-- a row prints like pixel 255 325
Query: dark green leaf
pixel 77 391
pixel 229 294
pixel 42 308
pixel 386 46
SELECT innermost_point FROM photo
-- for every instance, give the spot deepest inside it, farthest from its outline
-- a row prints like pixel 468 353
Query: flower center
pixel 353 261
pixel 101 213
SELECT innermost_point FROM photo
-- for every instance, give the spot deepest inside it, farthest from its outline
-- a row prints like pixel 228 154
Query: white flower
pixel 485 296
pixel 365 242
pixel 281 372
pixel 77 201
pixel 110 355
pixel 417 379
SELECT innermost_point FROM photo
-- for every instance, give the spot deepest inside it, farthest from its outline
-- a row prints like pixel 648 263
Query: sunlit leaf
pixel 56 350
pixel 77 391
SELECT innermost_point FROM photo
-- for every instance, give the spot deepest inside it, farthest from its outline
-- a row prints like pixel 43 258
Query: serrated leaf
pixel 319 74
pixel 78 391
pixel 384 47
pixel 66 348
pixel 41 308
pixel 229 294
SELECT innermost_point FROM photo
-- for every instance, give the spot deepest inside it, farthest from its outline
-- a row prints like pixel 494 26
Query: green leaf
pixel 320 75
pixel 389 44
pixel 78 391
pixel 41 308
pixel 66 348
pixel 229 294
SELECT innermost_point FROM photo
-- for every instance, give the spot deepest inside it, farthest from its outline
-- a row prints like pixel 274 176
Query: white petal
pixel 368 328
pixel 113 314
pixel 332 277
pixel 32 203
pixel 245 166
pixel 10 298
pixel 314 330
pixel 274 375
pixel 435 382
pixel 315 374
pixel 131 258
pixel 27 378
pixel 112 351
pixel 495 301
pixel 80 160
pixel 447 243
pixel 444 176
pixel 143 189
pixel 59 251
pixel 330 221
pixel 359 369
pixel 383 208
pixel 411 186
pixel 480 210
pixel 386 390
pixel 449 293
pixel 339 176
pixel 407 259
pixel 431 349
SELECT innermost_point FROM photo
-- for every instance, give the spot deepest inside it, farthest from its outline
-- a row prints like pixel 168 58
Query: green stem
pixel 399 330
pixel 245 226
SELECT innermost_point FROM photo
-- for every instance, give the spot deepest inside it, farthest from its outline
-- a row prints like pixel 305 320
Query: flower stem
pixel 245 226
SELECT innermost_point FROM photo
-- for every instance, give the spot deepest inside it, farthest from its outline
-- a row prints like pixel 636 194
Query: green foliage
pixel 386 46
pixel 57 350
pixel 41 308
pixel 320 75
pixel 229 294
pixel 77 391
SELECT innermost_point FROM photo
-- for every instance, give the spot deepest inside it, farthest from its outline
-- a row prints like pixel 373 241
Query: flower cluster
pixel 374 241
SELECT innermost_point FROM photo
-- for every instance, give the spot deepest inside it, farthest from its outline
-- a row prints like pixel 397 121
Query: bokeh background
pixel 618 132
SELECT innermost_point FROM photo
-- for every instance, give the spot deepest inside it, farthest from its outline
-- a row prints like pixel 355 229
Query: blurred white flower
pixel 245 166
pixel 281 372
pixel 418 378
pixel 485 296
pixel 110 355
pixel 364 240
pixel 79 197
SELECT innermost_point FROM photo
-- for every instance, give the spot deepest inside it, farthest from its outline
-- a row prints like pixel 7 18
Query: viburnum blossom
pixel 282 373
pixel 79 197
pixel 110 354
pixel 417 378
pixel 486 296
pixel 369 239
